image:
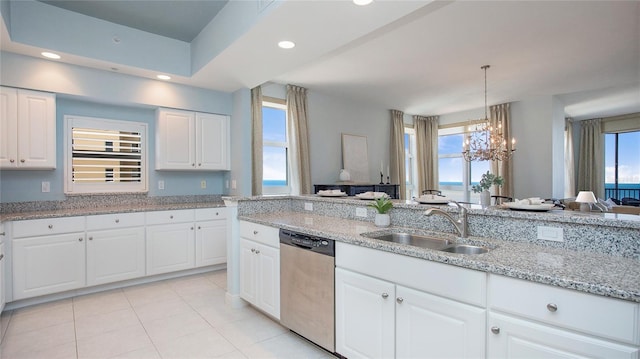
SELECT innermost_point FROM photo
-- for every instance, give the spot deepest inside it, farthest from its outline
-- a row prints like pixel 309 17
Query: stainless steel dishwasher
pixel 307 269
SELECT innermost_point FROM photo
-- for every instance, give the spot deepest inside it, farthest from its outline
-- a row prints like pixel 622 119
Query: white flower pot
pixel 382 220
pixel 485 198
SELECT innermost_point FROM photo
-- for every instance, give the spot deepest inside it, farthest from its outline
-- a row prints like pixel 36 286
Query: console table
pixel 354 189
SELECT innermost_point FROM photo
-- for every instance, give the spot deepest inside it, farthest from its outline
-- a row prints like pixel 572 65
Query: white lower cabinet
pixel 385 318
pixel 48 264
pixel 115 254
pixel 211 236
pixel 170 247
pixel 2 273
pixel 260 267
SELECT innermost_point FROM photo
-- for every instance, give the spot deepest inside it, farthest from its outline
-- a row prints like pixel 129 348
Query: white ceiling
pixel 424 57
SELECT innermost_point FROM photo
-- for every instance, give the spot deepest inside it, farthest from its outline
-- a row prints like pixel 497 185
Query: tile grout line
pixel 142 324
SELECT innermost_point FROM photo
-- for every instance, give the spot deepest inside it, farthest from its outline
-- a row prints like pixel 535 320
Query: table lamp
pixel 585 198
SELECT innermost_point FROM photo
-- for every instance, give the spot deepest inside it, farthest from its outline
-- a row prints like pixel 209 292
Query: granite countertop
pixel 123 208
pixel 595 273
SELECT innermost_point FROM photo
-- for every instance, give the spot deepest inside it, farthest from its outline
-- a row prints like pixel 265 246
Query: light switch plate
pixel 361 212
pixel 203 184
pixel 46 186
pixel 550 233
pixel 161 184
pixel 308 206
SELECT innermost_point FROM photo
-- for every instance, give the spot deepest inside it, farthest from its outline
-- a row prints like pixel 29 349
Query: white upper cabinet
pixel 27 129
pixel 191 141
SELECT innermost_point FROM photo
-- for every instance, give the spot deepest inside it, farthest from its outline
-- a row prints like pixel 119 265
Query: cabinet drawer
pixel 207 214
pixel 167 217
pixel 43 227
pixel 260 233
pixel 118 220
pixel 464 285
pixel 588 313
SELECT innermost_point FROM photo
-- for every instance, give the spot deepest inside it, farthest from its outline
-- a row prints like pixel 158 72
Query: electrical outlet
pixel 361 212
pixel 233 184
pixel 46 186
pixel 308 206
pixel 161 184
pixel 203 184
pixel 550 233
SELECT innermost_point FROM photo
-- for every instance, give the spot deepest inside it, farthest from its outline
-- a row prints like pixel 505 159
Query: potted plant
pixel 487 180
pixel 382 205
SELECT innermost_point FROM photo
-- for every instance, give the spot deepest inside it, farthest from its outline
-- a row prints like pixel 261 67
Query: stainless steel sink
pixel 465 249
pixel 415 240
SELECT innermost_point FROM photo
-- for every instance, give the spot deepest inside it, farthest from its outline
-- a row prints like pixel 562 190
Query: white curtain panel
pixel 298 127
pixel 569 165
pixel 397 152
pixel 591 160
pixel 256 141
pixel 426 151
pixel 501 115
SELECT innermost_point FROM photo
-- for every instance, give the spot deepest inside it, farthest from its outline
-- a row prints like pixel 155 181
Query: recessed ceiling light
pixel 286 44
pixel 164 77
pixel 362 2
pixel 50 55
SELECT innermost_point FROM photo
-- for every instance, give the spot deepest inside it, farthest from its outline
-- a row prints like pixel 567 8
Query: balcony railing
pixel 621 193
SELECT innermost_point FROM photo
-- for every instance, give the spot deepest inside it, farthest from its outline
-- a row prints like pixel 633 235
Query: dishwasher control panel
pixel 308 242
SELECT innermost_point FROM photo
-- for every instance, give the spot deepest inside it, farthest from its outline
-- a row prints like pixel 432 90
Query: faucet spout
pixel 460 224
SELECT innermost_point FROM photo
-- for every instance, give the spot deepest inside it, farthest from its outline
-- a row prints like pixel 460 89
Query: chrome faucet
pixel 460 223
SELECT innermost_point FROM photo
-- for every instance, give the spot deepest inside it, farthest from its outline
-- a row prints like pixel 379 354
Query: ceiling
pixel 421 57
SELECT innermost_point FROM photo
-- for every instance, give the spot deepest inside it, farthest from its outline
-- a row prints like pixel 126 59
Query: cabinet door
pixel 2 271
pixel 170 248
pixel 175 134
pixel 36 130
pixel 48 264
pixel 428 326
pixel 8 127
pixel 211 242
pixel 248 260
pixel 268 279
pixel 365 322
pixel 114 255
pixel 212 141
pixel 515 338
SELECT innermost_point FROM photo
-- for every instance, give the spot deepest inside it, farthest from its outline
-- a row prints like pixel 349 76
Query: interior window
pixel 275 151
pixel 104 156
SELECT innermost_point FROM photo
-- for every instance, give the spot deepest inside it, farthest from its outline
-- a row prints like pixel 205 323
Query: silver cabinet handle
pixel 552 307
pixel 192 228
pixel 193 165
pixel 50 226
pixel 12 160
pixel 495 330
pixel 255 232
pixel 22 160
pixel 199 227
pixel 216 213
pixel 399 300
pixel 90 238
pixel 1 256
pixel 80 239
pixel 2 233
pixel 385 295
pixel 199 164
pixel 117 220
pixel 257 251
pixel 253 250
pixel 171 216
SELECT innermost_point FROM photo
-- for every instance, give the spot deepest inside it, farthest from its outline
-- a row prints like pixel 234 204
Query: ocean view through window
pixel 275 165
pixel 622 165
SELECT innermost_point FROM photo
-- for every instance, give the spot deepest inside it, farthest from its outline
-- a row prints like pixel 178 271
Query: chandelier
pixel 484 142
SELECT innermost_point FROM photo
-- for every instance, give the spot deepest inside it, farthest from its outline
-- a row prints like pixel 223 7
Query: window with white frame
pixel 275 147
pixel 104 156
pixel 410 166
pixel 455 175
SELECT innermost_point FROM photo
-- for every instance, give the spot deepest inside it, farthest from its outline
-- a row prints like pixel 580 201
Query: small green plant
pixel 487 180
pixel 382 205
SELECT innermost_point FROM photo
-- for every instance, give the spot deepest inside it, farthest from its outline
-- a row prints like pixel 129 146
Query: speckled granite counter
pixel 594 273
pixel 104 204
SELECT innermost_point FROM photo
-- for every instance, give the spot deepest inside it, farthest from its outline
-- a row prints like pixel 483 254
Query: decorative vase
pixel 382 220
pixel 485 198
pixel 344 175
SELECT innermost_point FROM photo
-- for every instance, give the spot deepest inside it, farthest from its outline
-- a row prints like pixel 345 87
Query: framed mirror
pixel 355 157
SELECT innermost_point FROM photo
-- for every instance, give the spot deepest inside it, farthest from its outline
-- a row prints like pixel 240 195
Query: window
pixel 622 165
pixel 104 156
pixel 410 166
pixel 456 176
pixel 275 150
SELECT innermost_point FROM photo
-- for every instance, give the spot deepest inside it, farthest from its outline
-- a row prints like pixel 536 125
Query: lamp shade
pixel 586 197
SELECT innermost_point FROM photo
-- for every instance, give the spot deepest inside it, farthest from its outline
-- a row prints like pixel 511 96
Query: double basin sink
pixel 428 242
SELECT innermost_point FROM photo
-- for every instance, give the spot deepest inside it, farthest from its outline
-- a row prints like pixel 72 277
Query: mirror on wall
pixel 355 157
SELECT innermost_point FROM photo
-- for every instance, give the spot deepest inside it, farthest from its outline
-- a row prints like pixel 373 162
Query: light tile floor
pixel 176 318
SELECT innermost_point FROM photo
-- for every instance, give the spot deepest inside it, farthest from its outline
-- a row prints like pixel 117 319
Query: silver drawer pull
pixel 257 251
pixel 399 300
pixel 255 232
pixel 117 220
pixel 495 330
pixel 22 160
pixel 216 213
pixel 199 227
pixel 90 238
pixel 171 217
pixel 253 250
pixel 80 239
pixel 2 233
pixel 50 226
pixel 1 256
pixel 552 307
pixel 385 295
pixel 192 228
pixel 12 160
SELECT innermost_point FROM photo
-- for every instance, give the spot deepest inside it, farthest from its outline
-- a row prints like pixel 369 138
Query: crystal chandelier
pixel 484 142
